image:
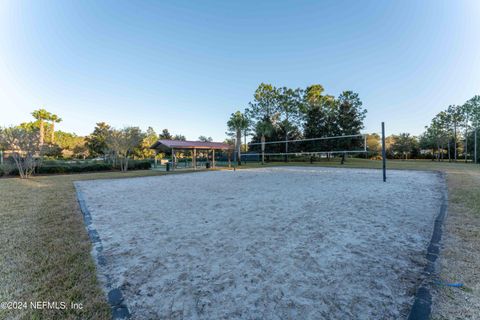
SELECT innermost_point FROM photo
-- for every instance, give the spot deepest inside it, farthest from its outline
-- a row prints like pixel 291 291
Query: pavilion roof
pixel 179 144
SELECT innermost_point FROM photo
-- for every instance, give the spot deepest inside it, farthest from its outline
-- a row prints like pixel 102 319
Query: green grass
pixel 45 249
pixel 427 165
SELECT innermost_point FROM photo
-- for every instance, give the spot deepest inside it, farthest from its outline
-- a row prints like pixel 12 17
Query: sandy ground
pixel 276 243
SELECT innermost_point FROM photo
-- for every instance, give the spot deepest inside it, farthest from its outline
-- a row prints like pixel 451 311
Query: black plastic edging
pixel 115 297
pixel 422 306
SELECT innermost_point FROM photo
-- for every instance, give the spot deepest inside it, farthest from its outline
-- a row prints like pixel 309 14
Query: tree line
pixel 450 136
pixel 274 114
pixel 451 132
pixel 286 114
pixel 27 145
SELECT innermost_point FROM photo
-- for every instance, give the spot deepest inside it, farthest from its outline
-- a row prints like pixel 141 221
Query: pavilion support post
pixel 194 159
pixel 156 160
pixel 213 158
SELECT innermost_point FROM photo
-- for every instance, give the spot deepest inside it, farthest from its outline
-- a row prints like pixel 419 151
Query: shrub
pixel 137 165
pixel 140 165
pixel 8 169
pixel 73 168
pixel 62 167
pixel 89 167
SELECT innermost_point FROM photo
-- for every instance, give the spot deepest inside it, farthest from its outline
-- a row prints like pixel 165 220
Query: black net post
pixel 475 145
pixel 384 154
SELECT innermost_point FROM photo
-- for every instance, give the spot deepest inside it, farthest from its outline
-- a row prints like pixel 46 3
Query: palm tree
pixel 41 115
pixel 264 129
pixel 237 123
pixel 54 119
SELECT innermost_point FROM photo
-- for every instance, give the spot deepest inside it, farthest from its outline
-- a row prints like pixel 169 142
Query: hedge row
pixel 73 168
pixel 4 170
pixel 138 165
pixel 76 168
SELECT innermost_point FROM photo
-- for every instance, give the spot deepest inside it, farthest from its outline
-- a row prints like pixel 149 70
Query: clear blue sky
pixel 186 66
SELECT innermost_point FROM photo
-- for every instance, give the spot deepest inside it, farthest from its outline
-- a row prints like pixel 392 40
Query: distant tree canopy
pixel 180 137
pixel 274 114
pixel 55 144
pixel 71 145
pixel 24 146
pixel 143 151
pixel 97 140
pixel 205 139
pixel 97 144
pixel 165 135
pixel 374 144
pixel 450 135
pixel 122 144
pixel 45 125
pixel 452 131
pixel 405 145
pixel 60 144
pixel 285 114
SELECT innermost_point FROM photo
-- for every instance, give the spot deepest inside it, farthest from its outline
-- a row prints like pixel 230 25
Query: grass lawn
pixel 427 165
pixel 45 250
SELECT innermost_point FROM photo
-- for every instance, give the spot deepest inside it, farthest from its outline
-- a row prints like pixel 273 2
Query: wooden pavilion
pixel 175 146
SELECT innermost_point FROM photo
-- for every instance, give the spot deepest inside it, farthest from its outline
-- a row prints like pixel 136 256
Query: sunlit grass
pixel 377 164
pixel 45 250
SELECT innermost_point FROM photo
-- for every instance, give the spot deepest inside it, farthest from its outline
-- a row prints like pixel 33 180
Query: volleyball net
pixel 305 148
